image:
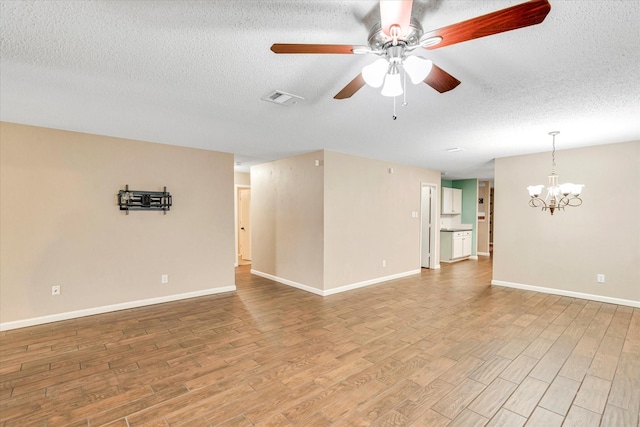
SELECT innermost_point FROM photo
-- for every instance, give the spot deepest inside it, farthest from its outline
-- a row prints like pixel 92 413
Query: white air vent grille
pixel 282 98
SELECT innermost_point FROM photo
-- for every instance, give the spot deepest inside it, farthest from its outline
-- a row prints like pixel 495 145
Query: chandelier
pixel 558 195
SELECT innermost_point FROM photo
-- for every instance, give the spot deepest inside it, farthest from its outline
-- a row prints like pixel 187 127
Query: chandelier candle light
pixel 558 195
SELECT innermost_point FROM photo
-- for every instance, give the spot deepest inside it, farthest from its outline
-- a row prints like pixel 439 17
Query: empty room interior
pixel 320 213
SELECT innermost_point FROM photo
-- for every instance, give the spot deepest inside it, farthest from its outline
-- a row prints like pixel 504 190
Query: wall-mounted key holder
pixel 135 200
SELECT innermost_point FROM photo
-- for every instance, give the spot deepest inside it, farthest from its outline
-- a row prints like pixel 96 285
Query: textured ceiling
pixel 192 73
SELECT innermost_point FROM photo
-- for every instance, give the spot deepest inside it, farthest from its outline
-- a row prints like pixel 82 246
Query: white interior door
pixel 426 224
pixel 244 223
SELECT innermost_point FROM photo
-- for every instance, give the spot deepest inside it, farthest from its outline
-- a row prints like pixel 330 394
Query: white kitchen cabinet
pixel 455 245
pixel 451 201
pixel 466 244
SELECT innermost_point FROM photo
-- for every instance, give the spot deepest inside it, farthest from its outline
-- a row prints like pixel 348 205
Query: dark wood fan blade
pixel 353 86
pixel 311 48
pixel 440 80
pixel 511 18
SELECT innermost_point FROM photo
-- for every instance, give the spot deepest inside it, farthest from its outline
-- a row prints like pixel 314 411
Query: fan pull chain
pixel 394 108
pixel 404 89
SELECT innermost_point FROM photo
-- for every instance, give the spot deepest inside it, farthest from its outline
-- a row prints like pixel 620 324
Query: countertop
pixel 456 229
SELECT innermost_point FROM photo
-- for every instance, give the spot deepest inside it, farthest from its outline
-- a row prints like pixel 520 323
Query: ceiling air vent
pixel 282 98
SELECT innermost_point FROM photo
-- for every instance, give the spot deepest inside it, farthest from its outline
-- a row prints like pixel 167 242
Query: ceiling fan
pixel 397 36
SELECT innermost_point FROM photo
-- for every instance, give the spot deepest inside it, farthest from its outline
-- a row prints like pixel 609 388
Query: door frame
pixel 236 187
pixel 434 259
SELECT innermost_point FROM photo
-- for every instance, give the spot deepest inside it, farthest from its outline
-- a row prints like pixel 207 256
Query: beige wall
pixel 330 226
pixel 242 178
pixel 60 223
pixel 484 190
pixel 566 251
pixel 287 219
pixel 368 218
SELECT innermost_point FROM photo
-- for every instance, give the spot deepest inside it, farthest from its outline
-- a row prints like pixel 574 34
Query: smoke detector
pixel 282 98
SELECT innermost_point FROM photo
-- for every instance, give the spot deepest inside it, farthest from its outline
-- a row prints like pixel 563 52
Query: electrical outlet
pixel 600 278
pixel 164 278
pixel 55 290
pixel 384 262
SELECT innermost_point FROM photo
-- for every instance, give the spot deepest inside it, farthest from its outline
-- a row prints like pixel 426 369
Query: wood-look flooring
pixel 442 348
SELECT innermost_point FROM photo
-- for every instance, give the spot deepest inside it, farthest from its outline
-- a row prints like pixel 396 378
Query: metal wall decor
pixel 135 200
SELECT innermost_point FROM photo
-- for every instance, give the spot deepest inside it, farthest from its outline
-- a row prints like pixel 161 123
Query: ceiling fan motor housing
pixel 378 40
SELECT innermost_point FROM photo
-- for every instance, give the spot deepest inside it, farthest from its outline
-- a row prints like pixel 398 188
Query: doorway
pixel 243 235
pixel 427 226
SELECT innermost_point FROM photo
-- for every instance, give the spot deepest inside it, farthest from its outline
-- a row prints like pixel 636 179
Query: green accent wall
pixel 469 215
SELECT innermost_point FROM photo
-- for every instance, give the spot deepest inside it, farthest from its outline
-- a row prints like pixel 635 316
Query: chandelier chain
pixel 553 152
pixel 553 156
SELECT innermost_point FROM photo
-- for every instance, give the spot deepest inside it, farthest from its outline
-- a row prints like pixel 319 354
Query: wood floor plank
pixel 560 395
pixel 388 400
pixel 357 397
pixel 421 401
pixel 431 371
pixel 576 367
pixel 526 397
pixel 489 371
pixel 506 418
pixel 438 348
pixel 432 419
pixel 593 394
pixel 625 393
pixel 468 418
pixel 513 348
pixel 391 419
pixel 493 397
pixel 580 417
pixel 544 418
pixel 459 398
pixel 461 370
pixel 518 369
pixel 614 416
pixel 538 348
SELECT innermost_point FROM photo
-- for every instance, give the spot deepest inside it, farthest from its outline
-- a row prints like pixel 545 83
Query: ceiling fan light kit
pixel 397 35
pixel 418 68
pixel 558 196
pixel 392 83
pixel 375 72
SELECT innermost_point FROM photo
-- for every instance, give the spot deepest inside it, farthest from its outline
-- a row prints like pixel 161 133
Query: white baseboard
pixel 484 254
pixel 109 308
pixel 327 292
pixel 451 261
pixel 473 257
pixel 288 282
pixel 371 282
pixel 564 293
